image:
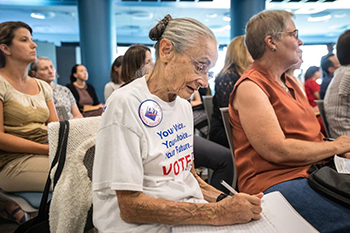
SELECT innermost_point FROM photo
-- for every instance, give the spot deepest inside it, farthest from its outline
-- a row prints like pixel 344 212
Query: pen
pixel 229 188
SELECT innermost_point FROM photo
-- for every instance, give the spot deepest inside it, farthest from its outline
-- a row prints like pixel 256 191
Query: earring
pixel 274 49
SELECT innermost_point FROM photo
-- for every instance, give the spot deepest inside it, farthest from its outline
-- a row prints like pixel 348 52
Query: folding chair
pixel 208 107
pixel 228 129
pixel 62 113
pixel 320 104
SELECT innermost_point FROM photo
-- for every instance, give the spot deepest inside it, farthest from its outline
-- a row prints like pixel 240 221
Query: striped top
pixel 337 103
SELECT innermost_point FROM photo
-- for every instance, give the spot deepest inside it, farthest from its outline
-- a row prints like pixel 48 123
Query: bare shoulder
pixel 247 92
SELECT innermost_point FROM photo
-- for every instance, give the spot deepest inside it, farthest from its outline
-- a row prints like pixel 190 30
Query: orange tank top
pixel 297 120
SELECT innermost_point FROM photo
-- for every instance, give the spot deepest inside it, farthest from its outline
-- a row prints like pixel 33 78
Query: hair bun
pixel 157 31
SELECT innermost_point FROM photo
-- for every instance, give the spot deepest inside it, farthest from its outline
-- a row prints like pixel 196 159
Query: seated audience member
pixel 329 64
pixel 236 61
pixel 148 126
pixel 207 154
pixel 276 137
pixel 84 93
pixel 337 99
pixel 290 72
pixel 42 68
pixel 137 62
pixel 25 110
pixel 312 88
pixel 115 82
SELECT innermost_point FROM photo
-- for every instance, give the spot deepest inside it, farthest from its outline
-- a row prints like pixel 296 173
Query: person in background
pixel 26 108
pixel 337 98
pixel 290 72
pixel 312 88
pixel 42 68
pixel 276 135
pixel 148 126
pixel 329 64
pixel 236 61
pixel 195 99
pixel 84 93
pixel 115 82
pixel 137 62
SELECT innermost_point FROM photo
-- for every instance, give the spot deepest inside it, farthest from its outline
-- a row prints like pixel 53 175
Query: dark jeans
pixel 216 157
pixel 324 214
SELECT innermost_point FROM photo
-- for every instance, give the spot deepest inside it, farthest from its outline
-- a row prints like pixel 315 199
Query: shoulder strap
pixel 61 156
pixel 61 150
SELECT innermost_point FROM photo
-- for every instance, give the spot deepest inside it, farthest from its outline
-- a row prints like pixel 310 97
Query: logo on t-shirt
pixel 150 113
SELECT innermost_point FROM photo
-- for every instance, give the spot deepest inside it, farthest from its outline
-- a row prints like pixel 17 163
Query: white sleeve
pixel 108 91
pixel 118 159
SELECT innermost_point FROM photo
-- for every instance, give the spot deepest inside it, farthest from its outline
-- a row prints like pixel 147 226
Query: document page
pixel 278 216
pixel 342 164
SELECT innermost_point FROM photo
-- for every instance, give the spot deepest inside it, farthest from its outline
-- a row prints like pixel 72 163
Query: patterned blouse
pixel 62 96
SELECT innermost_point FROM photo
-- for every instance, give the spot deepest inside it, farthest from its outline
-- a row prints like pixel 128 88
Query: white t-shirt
pixel 143 144
pixel 109 88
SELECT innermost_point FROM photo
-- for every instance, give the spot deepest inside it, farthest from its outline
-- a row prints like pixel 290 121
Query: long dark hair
pixel 7 33
pixel 133 60
pixel 73 71
pixel 114 75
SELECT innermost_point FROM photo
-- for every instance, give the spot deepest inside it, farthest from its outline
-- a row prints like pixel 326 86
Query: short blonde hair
pixel 265 23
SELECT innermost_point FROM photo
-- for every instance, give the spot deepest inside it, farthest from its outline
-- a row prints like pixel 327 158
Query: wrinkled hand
pixel 240 208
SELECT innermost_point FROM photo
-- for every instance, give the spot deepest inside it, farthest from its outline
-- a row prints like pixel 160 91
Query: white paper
pixel 342 164
pixel 278 216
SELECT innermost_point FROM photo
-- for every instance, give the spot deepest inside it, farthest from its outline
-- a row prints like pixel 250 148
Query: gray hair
pixel 182 32
pixel 34 65
pixel 265 23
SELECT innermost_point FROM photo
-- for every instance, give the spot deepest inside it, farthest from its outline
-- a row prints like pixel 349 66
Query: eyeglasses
pixel 294 33
pixel 200 66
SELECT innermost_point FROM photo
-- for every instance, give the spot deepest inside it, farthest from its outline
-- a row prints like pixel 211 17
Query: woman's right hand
pixel 240 208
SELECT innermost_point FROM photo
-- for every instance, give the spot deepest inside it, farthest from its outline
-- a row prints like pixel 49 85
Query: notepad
pixel 278 216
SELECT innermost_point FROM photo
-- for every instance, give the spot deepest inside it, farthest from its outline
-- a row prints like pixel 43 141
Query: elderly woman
pixel 25 110
pixel 276 137
pixel 143 177
pixel 42 68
